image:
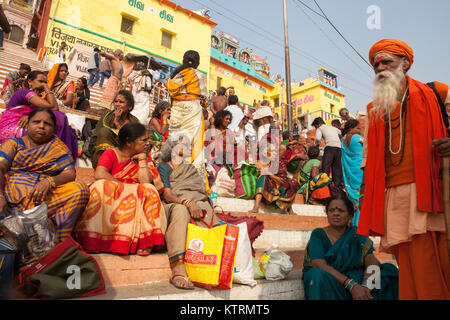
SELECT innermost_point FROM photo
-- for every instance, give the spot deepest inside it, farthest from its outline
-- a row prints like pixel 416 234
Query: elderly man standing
pixel 406 139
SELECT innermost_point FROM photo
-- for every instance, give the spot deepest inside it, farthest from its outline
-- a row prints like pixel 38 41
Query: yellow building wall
pixel 310 98
pixel 247 91
pixel 99 22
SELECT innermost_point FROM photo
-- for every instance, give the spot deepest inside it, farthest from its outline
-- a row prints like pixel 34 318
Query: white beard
pixel 388 85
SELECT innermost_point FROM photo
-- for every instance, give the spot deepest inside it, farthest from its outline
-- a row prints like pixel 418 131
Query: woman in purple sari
pixel 14 119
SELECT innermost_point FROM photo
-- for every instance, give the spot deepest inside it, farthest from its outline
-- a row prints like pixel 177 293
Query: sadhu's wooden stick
pixel 446 182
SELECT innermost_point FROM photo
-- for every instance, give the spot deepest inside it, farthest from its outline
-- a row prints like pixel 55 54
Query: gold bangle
pixel 52 182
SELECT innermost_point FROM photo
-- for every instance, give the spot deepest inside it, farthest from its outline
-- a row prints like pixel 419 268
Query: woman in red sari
pixel 124 214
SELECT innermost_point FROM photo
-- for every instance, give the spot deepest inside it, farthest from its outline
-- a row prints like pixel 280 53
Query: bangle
pixel 52 182
pixel 164 122
pixel 350 285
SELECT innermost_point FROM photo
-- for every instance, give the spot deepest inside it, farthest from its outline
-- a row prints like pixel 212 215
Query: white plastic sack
pixel 225 186
pixel 76 121
pixel 243 267
pixel 279 264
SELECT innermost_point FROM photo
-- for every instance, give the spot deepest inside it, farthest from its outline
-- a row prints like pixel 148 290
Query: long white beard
pixel 388 85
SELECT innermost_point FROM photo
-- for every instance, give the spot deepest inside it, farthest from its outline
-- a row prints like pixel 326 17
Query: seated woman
pixel 351 163
pixel 14 119
pixel 295 152
pixel 124 214
pixel 63 89
pixel 314 185
pixel 15 80
pixel 106 132
pixel 38 168
pixel 273 185
pixel 216 142
pixel 339 264
pixel 184 197
pixel 82 94
pixel 159 122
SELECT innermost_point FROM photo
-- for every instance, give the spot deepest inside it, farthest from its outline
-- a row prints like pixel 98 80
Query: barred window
pixel 166 40
pixel 127 25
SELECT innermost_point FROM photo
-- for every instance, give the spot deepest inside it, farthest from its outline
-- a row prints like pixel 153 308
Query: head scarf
pixel 236 115
pixel 393 46
pixel 52 75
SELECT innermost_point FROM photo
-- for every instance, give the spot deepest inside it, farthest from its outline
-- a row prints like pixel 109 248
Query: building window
pixel 16 34
pixel 127 25
pixel 219 82
pixel 276 102
pixel 166 40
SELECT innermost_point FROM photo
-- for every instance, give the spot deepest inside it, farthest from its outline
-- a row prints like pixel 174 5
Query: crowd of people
pixel 155 172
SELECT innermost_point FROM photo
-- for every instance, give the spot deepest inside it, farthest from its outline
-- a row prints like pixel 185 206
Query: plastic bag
pixel 210 255
pixel 39 229
pixel 275 264
pixel 30 232
pixel 243 270
pixel 257 272
pixel 225 186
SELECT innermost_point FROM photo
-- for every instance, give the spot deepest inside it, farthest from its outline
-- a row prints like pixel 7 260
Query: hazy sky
pixel 314 43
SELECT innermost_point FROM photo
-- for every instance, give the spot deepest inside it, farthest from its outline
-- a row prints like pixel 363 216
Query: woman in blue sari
pixel 339 264
pixel 351 163
pixel 39 167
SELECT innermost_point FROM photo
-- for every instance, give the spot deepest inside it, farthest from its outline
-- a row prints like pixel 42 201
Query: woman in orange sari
pixel 63 89
pixel 124 214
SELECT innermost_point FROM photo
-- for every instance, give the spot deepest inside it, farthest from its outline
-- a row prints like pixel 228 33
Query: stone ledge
pixel 290 288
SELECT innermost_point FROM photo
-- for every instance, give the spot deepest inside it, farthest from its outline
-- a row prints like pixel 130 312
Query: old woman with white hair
pixel 184 198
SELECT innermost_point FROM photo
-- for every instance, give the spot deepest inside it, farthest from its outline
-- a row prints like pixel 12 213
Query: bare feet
pixel 254 210
pixel 290 211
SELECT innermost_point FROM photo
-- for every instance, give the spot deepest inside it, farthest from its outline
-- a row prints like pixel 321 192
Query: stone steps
pixel 137 277
pixel 290 288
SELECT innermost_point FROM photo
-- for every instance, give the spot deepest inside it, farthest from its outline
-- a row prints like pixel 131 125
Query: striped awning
pixel 327 116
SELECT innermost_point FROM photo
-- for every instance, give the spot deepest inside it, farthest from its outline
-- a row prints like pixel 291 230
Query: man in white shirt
pixel 332 154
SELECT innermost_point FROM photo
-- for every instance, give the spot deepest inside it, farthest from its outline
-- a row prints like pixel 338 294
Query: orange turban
pixel 393 46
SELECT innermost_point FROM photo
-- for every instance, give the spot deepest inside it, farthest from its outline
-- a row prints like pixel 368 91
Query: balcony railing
pixel 22 5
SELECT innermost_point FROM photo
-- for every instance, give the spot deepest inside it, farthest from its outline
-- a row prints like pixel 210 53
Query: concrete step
pixel 290 288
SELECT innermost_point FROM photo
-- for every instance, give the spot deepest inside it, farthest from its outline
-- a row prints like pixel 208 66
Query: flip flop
pixel 185 278
pixel 143 252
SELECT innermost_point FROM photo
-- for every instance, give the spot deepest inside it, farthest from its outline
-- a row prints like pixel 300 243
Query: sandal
pixel 187 281
pixel 143 252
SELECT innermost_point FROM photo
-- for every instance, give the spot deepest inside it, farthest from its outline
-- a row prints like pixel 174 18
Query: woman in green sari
pixel 339 264
pixel 106 132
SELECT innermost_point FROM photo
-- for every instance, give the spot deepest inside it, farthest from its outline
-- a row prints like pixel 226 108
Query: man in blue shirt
pixel 94 67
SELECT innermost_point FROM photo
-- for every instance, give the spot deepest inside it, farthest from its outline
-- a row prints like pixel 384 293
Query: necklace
pixel 400 124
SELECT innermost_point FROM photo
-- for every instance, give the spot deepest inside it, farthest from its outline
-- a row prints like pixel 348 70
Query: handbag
pixel 210 254
pixel 64 272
